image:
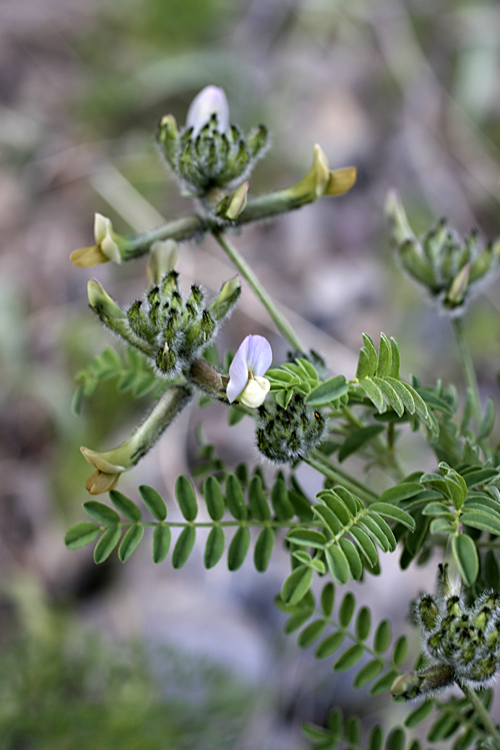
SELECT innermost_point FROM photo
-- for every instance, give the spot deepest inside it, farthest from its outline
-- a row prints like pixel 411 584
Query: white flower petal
pixel 259 356
pixel 211 100
pixel 111 249
pixel 238 372
pixel 101 224
pixel 255 392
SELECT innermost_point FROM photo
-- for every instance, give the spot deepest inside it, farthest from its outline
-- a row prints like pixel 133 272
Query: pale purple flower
pixel 251 361
pixel 211 100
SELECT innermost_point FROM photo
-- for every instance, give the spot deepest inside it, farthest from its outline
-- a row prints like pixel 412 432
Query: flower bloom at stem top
pixel 108 245
pixel 210 101
pixel 251 361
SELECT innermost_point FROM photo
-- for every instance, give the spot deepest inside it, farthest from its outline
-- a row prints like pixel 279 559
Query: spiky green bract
pixel 452 268
pixel 461 642
pixel 210 159
pixel 170 329
pixel 285 435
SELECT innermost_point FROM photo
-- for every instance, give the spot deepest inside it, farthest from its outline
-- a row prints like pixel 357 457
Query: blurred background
pixel 406 90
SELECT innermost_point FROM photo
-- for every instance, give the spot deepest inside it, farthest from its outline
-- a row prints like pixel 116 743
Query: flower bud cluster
pixel 286 435
pixel 208 154
pixel 168 328
pixel 450 267
pixel 462 643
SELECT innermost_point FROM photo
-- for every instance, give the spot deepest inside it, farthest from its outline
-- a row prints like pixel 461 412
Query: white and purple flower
pixel 246 382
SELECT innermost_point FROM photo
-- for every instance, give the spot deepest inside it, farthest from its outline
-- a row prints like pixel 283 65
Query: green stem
pixel 468 367
pixel 180 229
pixel 481 712
pixel 320 462
pixel 244 269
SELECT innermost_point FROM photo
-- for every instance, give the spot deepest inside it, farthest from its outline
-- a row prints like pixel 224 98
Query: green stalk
pixel 468 367
pixel 180 229
pixel 319 462
pixel 244 269
pixel 481 712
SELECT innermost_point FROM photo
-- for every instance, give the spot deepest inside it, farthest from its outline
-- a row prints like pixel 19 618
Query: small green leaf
pixel 81 534
pixel 183 547
pixel 234 415
pixel 399 492
pixel 297 585
pixel 394 373
pixel 444 727
pixel 328 598
pixel 162 536
pixel 307 538
pixel 337 564
pixel 376 738
pixel 153 502
pixel 263 549
pixel 102 513
pixel 346 610
pixel 481 520
pixel 328 391
pixel 391 395
pixel 329 645
pixel 365 544
pixel 186 498
pixel 311 633
pixel 214 548
pixel 357 439
pixel 214 498
pixel 363 623
pixel 397 514
pixel 384 683
pixel 374 394
pixel 130 542
pixel 420 714
pixel 374 532
pixel 125 506
pixel 238 548
pixel 400 651
pixel 395 740
pixel 487 421
pixel 296 621
pixel 382 637
pixel 257 500
pixel 384 365
pixel 235 498
pixel 352 730
pixel 349 658
pixel 371 351
pixel 368 672
pixel 465 553
pixel 404 393
pixel 328 518
pixel 353 558
pixel 106 544
pixel 280 502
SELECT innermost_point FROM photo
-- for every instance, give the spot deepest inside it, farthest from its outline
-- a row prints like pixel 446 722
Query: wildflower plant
pixel 302 412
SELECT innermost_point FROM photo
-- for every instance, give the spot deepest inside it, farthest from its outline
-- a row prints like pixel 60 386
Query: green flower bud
pixel 285 435
pixel 225 301
pixel 168 138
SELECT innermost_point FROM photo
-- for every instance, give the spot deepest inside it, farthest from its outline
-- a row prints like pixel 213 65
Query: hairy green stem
pixel 468 367
pixel 481 712
pixel 179 229
pixel 319 462
pixel 244 269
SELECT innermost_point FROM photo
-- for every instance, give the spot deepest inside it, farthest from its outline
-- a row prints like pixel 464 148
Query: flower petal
pixel 255 392
pixel 238 372
pixel 211 100
pixel 100 227
pixel 259 356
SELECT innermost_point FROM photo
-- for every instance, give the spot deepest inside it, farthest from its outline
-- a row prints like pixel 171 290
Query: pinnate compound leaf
pixel 102 513
pixel 238 548
pixel 81 534
pixel 153 502
pixel 404 393
pixel 186 498
pixel 214 548
pixel 106 544
pixel 162 537
pixel 297 585
pixel 130 542
pixel 328 391
pixel 214 498
pixel 125 506
pixel 391 395
pixel 263 549
pixel 349 658
pixel 183 547
pixel 374 394
pixel 465 553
